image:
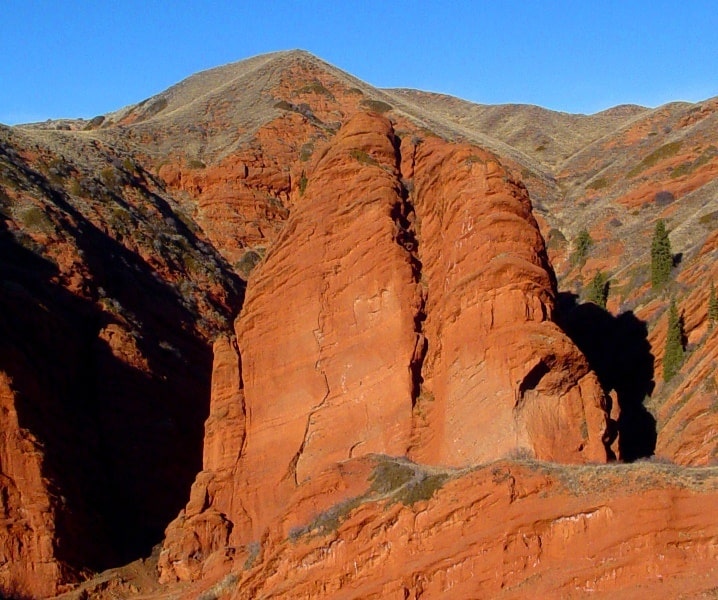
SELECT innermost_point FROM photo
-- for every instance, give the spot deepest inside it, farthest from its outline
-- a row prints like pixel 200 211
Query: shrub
pixel 109 177
pixel 315 87
pixel 556 239
pixel 709 219
pixel 156 106
pixel 598 184
pixel 306 152
pixel 284 105
pixel 248 262
pixel 376 106
pixel 95 122
pixel 664 198
pixel 36 219
pixel 363 157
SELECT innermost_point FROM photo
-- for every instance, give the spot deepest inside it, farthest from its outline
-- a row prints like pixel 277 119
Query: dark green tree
pixel 661 256
pixel 674 352
pixel 712 307
pixel 598 290
pixel 580 247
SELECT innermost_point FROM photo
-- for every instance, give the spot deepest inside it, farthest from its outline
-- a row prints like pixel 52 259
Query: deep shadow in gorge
pixel 618 351
pixel 122 445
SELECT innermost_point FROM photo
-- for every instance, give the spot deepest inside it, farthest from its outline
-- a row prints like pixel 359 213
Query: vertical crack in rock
pixel 404 217
pixel 319 336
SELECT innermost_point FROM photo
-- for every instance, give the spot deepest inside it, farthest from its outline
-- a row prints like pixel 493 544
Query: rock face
pixel 499 376
pixel 106 307
pixel 506 530
pixel 28 562
pixel 388 322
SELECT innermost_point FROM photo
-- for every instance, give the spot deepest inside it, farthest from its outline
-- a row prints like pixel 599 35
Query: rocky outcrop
pixel 505 530
pixel 366 282
pixel 28 561
pixel 499 376
pixel 202 528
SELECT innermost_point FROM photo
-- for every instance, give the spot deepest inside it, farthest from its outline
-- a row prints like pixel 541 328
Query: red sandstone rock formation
pixel 499 376
pixel 28 563
pixel 332 340
pixel 505 531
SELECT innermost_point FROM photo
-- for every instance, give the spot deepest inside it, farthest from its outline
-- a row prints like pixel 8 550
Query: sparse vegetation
pixel 303 183
pixel 665 151
pixel 376 106
pixel 34 218
pixel 712 307
pixel 224 587
pixel 598 184
pixel 687 168
pixel 393 480
pixel 363 157
pixel 661 256
pixel 253 549
pixel 675 346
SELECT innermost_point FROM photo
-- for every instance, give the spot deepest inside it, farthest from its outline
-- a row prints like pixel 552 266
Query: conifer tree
pixel 712 307
pixel 598 290
pixel 580 247
pixel 674 352
pixel 661 256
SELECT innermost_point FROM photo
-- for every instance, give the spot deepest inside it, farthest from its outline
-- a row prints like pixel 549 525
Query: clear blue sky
pixel 80 59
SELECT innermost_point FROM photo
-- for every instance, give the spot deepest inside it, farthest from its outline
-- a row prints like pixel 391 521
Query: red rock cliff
pixel 340 316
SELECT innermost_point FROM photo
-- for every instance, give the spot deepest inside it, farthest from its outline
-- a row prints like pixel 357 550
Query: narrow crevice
pixel 404 217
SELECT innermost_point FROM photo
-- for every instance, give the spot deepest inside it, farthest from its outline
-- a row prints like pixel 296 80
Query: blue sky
pixel 81 59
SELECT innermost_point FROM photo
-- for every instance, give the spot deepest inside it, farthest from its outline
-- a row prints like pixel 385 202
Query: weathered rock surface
pixel 332 339
pixel 507 531
pixel 499 376
pixel 28 561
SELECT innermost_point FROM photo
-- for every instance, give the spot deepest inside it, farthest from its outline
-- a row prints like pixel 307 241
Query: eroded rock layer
pixel 340 317
pixel 499 375
pixel 505 530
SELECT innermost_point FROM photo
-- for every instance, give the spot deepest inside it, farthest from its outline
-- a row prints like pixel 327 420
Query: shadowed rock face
pixel 388 321
pixel 103 362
